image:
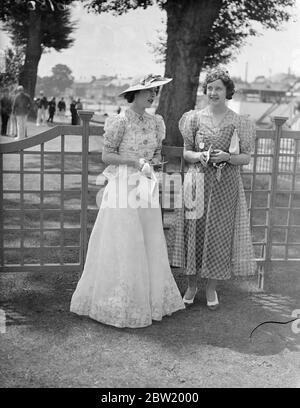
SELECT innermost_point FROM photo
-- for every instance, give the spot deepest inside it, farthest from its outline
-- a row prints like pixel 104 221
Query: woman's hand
pixel 135 163
pixel 142 162
pixel 155 161
pixel 203 158
pixel 218 156
pixel 115 159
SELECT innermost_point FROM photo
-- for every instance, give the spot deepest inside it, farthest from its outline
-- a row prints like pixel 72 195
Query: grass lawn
pixel 46 346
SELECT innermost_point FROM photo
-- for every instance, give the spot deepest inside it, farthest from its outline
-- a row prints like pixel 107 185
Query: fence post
pixel 279 121
pixel 1 213
pixel 85 116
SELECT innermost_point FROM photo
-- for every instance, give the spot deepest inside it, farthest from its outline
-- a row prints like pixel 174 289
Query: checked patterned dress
pixel 211 235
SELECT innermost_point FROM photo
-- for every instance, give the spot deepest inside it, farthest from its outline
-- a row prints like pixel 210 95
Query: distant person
pixel 6 109
pixel 21 107
pixel 78 107
pixel 79 104
pixel 61 108
pixel 12 126
pixel 119 110
pixel 12 123
pixel 51 110
pixel 73 111
pixel 42 105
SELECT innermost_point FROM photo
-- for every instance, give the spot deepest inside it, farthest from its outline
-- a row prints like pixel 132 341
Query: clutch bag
pixel 234 147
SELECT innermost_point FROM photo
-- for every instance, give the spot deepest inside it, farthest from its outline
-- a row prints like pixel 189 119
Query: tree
pixel 56 84
pixel 45 84
pixel 62 77
pixel 13 61
pixel 36 26
pixel 200 33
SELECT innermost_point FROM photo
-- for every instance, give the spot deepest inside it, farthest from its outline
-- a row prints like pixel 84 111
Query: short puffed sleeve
pixel 188 127
pixel 247 134
pixel 160 128
pixel 160 134
pixel 114 129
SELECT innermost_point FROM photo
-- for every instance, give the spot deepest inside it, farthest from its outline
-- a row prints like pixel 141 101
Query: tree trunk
pixel 33 52
pixel 189 25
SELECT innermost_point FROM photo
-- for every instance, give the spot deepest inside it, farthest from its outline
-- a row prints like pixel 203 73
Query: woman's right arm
pixel 114 130
pixel 194 157
pixel 116 159
pixel 187 127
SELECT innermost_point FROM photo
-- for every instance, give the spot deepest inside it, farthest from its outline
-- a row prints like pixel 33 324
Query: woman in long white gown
pixel 127 280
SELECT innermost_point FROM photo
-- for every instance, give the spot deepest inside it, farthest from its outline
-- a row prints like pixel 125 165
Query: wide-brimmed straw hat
pixel 149 81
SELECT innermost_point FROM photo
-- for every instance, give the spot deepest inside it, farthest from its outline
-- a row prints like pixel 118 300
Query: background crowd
pixel 17 106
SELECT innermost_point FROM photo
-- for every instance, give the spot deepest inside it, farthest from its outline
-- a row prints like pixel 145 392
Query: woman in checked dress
pixel 127 280
pixel 211 235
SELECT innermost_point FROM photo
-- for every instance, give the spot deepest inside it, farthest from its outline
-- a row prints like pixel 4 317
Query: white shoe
pixel 213 305
pixel 190 301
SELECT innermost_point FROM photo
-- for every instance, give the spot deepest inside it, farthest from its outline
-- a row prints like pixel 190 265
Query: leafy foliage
pixel 14 58
pixel 118 7
pixel 56 84
pixel 62 76
pixel 55 23
pixel 230 30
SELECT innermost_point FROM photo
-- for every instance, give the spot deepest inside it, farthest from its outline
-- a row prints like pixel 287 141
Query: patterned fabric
pixel 127 280
pixel 132 135
pixel 217 242
pixel 243 257
pixel 197 127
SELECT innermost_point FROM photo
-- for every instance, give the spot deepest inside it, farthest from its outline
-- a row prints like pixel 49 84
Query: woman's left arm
pixel 247 132
pixel 239 159
pixel 219 156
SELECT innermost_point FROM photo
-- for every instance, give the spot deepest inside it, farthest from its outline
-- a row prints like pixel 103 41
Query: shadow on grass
pixel 43 301
pixel 243 307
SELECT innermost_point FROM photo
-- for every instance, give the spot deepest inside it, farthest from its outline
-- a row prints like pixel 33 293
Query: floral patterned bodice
pixel 134 136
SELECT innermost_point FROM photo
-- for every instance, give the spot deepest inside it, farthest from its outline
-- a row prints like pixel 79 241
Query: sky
pixel 109 45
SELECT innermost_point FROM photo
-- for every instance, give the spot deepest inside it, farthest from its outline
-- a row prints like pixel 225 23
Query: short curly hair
pixel 223 75
pixel 129 96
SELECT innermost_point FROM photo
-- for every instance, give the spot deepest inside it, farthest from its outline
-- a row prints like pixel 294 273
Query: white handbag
pixel 234 147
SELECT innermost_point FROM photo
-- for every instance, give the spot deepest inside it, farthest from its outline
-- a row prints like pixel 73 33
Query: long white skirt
pixel 127 280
